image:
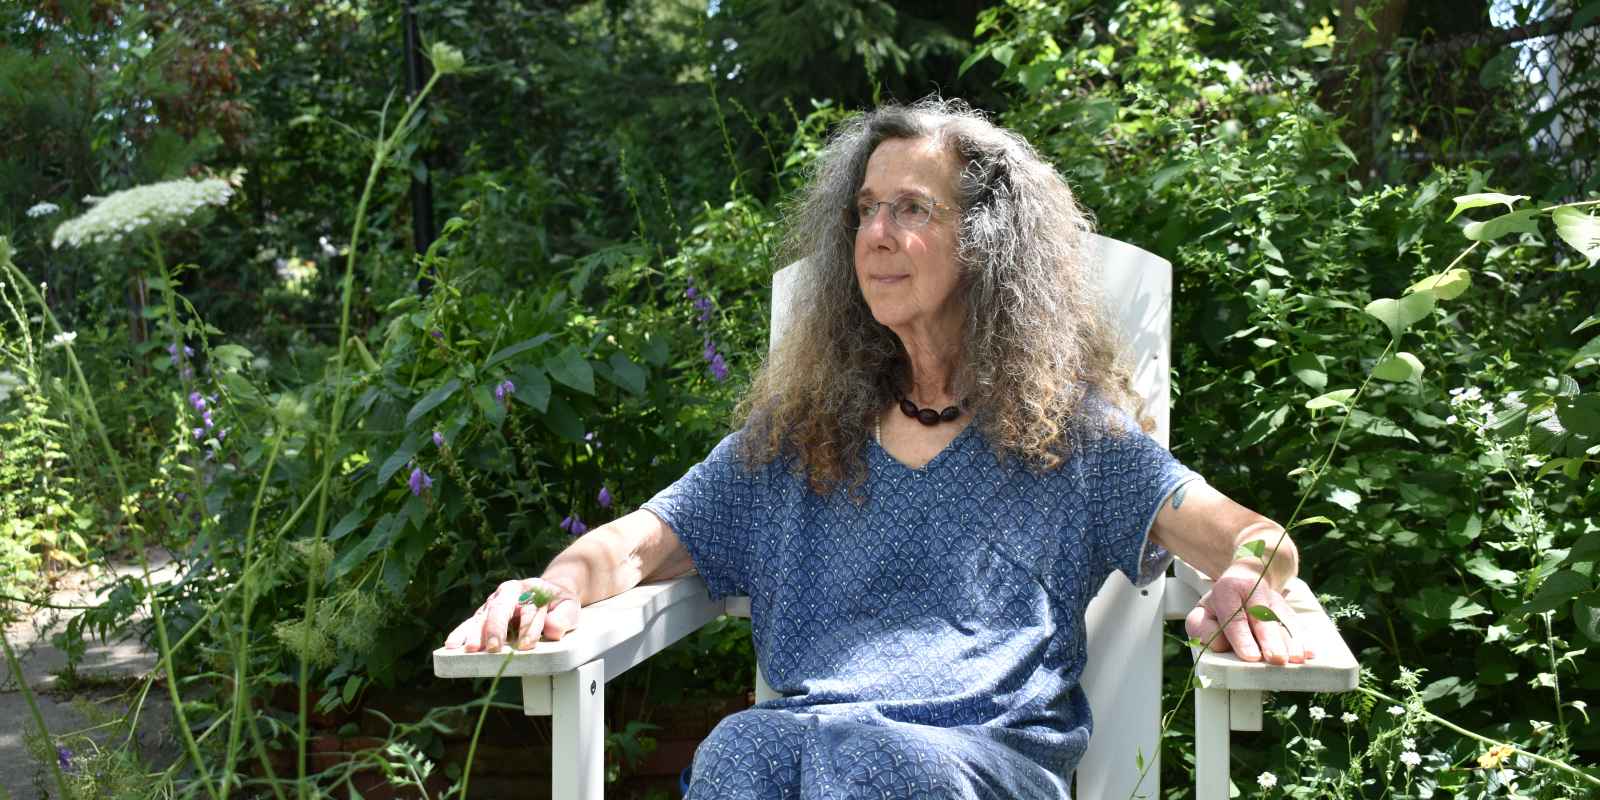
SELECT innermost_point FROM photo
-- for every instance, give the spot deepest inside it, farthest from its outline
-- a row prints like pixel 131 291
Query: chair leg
pixel 1211 733
pixel 578 733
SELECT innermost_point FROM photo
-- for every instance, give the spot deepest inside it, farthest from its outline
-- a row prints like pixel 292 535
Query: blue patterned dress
pixel 928 642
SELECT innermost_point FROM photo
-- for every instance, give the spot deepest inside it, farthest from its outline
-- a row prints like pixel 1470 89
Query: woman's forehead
pixel 897 166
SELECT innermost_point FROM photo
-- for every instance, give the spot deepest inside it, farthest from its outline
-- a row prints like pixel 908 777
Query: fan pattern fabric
pixel 928 633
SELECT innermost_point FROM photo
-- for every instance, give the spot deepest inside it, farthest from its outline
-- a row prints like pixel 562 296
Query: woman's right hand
pixel 504 618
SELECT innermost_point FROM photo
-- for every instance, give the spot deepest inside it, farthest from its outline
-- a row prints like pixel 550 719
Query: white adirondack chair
pixel 566 679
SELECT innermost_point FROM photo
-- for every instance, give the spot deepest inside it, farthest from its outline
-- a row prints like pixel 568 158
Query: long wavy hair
pixel 1035 342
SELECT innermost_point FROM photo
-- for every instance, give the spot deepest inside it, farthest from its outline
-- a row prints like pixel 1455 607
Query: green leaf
pixel 1379 426
pixel 516 349
pixel 1586 612
pixel 1308 369
pixel 626 374
pixel 1557 590
pixel 1447 285
pixel 569 368
pixel 1490 572
pixel 483 397
pixel 431 400
pixel 563 420
pixel 1585 15
pixel 1337 397
pixel 1398 315
pixel 348 523
pixel 1580 414
pixel 655 350
pixel 1262 613
pixel 1398 367
pixel 1580 230
pixel 382 535
pixel 1585 353
pixel 1316 520
pixel 1467 201
pixel 231 356
pixel 533 388
pixel 1524 221
pixel 1252 549
pixel 408 450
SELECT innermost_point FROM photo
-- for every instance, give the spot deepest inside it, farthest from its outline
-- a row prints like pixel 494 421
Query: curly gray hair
pixel 1035 341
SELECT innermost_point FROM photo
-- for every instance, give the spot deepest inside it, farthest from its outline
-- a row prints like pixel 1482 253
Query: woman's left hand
pixel 1225 609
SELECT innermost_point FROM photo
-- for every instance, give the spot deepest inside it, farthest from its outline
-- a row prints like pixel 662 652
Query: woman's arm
pixel 605 562
pixel 1205 528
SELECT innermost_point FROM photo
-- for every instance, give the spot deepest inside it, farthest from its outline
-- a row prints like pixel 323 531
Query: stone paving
pixel 109 677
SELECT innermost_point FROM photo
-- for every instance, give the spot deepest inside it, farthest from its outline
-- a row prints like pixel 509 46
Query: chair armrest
pixel 1332 667
pixel 624 630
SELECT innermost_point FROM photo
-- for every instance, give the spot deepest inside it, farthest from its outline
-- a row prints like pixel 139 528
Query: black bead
pixel 950 414
pixel 908 408
pixel 928 416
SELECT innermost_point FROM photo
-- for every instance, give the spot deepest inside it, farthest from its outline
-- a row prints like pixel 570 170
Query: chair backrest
pixel 1123 676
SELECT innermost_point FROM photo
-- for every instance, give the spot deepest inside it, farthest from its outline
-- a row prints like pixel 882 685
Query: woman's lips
pixel 889 279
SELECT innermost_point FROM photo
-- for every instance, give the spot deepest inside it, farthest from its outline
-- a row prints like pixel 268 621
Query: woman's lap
pixel 770 754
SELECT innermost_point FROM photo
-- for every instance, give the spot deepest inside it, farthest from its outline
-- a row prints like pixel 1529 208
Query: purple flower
pixel 605 498
pixel 702 304
pixel 719 368
pixel 505 388
pixel 206 417
pixel 172 350
pixel 186 373
pixel 566 523
pixel 705 316
pixel 578 528
pixel 198 433
pixel 419 481
pixel 710 351
pixel 222 434
pixel 197 400
pixel 64 757
pixel 438 439
pixel 437 335
pixel 691 292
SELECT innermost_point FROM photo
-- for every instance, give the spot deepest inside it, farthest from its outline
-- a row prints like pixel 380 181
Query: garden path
pixel 107 681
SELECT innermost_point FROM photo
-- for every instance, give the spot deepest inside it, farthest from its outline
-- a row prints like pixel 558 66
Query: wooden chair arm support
pixel 623 630
pixel 1331 669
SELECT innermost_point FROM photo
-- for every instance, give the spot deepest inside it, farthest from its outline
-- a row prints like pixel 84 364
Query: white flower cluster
pixel 1410 759
pixel 1267 780
pixel 8 384
pixel 124 212
pixel 65 337
pixel 1317 713
pixel 43 209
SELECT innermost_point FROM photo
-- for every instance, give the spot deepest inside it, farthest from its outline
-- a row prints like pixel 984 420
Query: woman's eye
pixel 865 210
pixel 912 205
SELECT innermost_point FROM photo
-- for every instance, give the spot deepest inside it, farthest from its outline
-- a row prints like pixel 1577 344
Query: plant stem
pixel 472 747
pixel 38 718
pixel 1444 723
pixel 331 437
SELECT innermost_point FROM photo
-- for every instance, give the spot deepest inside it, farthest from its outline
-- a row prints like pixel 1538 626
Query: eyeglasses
pixel 908 211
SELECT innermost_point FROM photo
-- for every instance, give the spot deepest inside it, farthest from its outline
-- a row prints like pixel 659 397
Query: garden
pixel 321 318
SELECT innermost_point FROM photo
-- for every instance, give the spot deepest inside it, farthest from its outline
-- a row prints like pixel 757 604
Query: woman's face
pixel 909 277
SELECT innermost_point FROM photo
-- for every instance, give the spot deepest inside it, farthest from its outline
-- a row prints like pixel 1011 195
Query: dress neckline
pixel 937 457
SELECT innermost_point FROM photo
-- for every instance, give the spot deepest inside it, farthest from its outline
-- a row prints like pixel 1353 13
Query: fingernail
pixel 493 644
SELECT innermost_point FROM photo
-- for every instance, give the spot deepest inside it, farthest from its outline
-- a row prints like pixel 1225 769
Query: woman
pixel 932 476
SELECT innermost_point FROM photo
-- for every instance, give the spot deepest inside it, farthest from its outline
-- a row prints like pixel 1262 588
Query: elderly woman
pixel 931 477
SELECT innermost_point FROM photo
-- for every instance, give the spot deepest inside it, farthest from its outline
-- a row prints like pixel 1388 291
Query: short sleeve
pixel 1128 477
pixel 714 511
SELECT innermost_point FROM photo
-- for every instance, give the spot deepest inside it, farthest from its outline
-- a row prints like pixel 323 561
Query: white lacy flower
pixel 43 210
pixel 1397 710
pixel 1316 713
pixel 1348 718
pixel 124 212
pixel 1410 759
pixel 1409 743
pixel 65 337
pixel 1313 745
pixel 1267 780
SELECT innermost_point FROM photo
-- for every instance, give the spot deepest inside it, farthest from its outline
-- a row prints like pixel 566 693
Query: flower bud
pixel 446 59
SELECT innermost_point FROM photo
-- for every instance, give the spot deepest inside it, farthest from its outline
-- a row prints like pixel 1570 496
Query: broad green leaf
pixel 655 350
pixel 1490 572
pixel 563 420
pixel 382 535
pixel 512 350
pixel 1308 369
pixel 231 356
pixel 1580 230
pixel 431 400
pixel 408 450
pixel 1337 397
pixel 533 388
pixel 483 397
pixel 348 523
pixel 568 367
pixel 1401 366
pixel 1442 604
pixel 1379 426
pixel 1556 590
pixel 1480 200
pixel 1585 15
pixel 626 374
pixel 1447 285
pixel 1253 549
pixel 1586 612
pixel 1524 221
pixel 1269 249
pixel 1585 353
pixel 1262 613
pixel 1580 414
pixel 1400 314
